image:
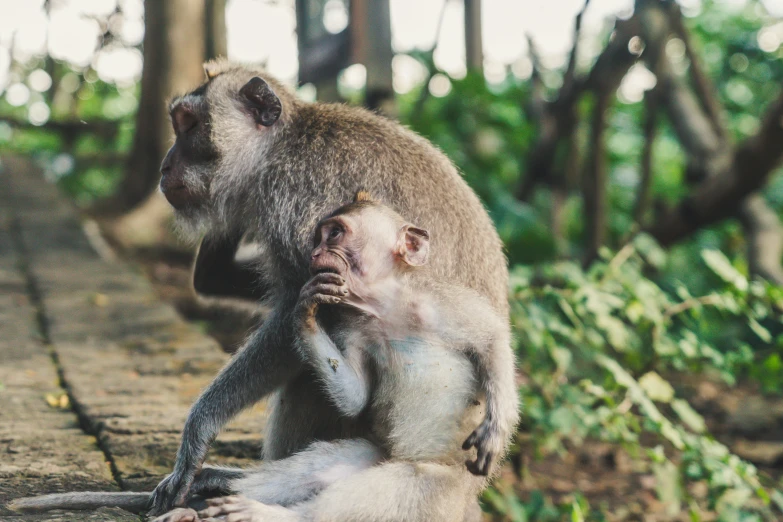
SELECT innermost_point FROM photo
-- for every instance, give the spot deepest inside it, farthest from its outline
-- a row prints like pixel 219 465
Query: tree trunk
pixel 216 44
pixel 174 48
pixel 474 50
pixel 371 39
pixel 595 181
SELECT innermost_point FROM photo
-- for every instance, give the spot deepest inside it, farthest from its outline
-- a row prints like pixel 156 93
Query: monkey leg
pixel 242 509
pixel 298 478
pixel 395 491
pixel 390 492
pixel 264 363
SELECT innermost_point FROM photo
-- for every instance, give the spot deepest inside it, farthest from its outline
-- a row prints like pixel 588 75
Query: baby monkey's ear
pixel 362 195
pixel 414 245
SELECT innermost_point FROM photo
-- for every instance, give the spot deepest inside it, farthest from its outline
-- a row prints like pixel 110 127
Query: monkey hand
pixel 322 288
pixel 488 442
pixel 171 492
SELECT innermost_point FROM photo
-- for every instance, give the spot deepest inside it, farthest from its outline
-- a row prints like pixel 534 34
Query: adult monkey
pixel 251 158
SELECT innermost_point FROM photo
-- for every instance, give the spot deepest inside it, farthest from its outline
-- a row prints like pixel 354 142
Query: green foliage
pixel 599 350
pixel 485 133
pixel 602 350
pixel 86 161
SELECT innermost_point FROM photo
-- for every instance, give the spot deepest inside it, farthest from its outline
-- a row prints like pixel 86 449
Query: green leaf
pixel 777 498
pixel 668 486
pixel 656 387
pixel 759 330
pixel 649 248
pixel 634 311
pixel 732 499
pixel 722 267
pixel 688 415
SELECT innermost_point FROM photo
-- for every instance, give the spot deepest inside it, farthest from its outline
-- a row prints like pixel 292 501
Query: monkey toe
pixel 221 506
pixel 179 515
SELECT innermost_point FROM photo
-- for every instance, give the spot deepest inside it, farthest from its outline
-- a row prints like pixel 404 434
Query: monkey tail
pixel 129 501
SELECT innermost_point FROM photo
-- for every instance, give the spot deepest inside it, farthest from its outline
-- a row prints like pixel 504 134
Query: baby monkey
pixel 410 351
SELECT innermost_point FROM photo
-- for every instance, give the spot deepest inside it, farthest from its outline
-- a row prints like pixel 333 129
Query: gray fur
pixel 279 181
pixel 274 183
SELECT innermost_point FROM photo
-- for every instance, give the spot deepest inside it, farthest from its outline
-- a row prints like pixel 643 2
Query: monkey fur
pixel 410 354
pixel 250 158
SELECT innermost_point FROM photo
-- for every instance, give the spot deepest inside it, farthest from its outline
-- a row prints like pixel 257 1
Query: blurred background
pixel 628 152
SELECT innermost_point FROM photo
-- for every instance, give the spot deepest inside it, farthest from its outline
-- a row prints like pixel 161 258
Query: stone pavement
pixel 96 374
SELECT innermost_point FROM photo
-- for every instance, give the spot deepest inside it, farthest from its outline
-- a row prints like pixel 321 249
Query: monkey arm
pixel 494 363
pixel 486 339
pixel 264 363
pixel 217 274
pixel 344 375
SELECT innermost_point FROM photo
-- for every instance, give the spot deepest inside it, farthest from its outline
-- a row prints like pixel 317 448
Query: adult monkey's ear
pixel 414 245
pixel 262 101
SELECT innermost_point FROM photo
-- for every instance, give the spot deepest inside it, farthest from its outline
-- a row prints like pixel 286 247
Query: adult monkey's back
pixel 251 158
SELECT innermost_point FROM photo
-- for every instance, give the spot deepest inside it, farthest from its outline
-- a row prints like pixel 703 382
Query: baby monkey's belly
pixel 425 403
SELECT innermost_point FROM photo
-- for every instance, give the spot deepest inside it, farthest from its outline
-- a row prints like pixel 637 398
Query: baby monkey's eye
pixel 335 232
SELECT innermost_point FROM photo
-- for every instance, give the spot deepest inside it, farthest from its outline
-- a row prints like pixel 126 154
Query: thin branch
pixel 692 126
pixel 705 90
pixel 594 186
pixel 102 127
pixel 424 94
pixel 605 76
pixel 764 236
pixel 535 106
pixel 569 77
pixel 719 197
pixel 705 300
pixel 623 255
pixel 642 205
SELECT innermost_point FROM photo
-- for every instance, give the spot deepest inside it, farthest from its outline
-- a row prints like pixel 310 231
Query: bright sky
pixel 73 31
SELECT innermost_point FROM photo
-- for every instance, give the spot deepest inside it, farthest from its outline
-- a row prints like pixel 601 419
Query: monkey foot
pixel 179 515
pixel 241 509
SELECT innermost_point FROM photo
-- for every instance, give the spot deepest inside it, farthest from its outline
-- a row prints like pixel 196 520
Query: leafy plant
pixel 597 347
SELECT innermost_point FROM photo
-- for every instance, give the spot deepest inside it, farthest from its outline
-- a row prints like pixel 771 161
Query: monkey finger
pixel 472 467
pixel 327 278
pixel 484 462
pixel 329 289
pixel 219 501
pixel 471 441
pixel 476 469
pixel 215 511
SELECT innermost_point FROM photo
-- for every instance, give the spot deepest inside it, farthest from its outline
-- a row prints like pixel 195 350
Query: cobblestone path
pixel 96 375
